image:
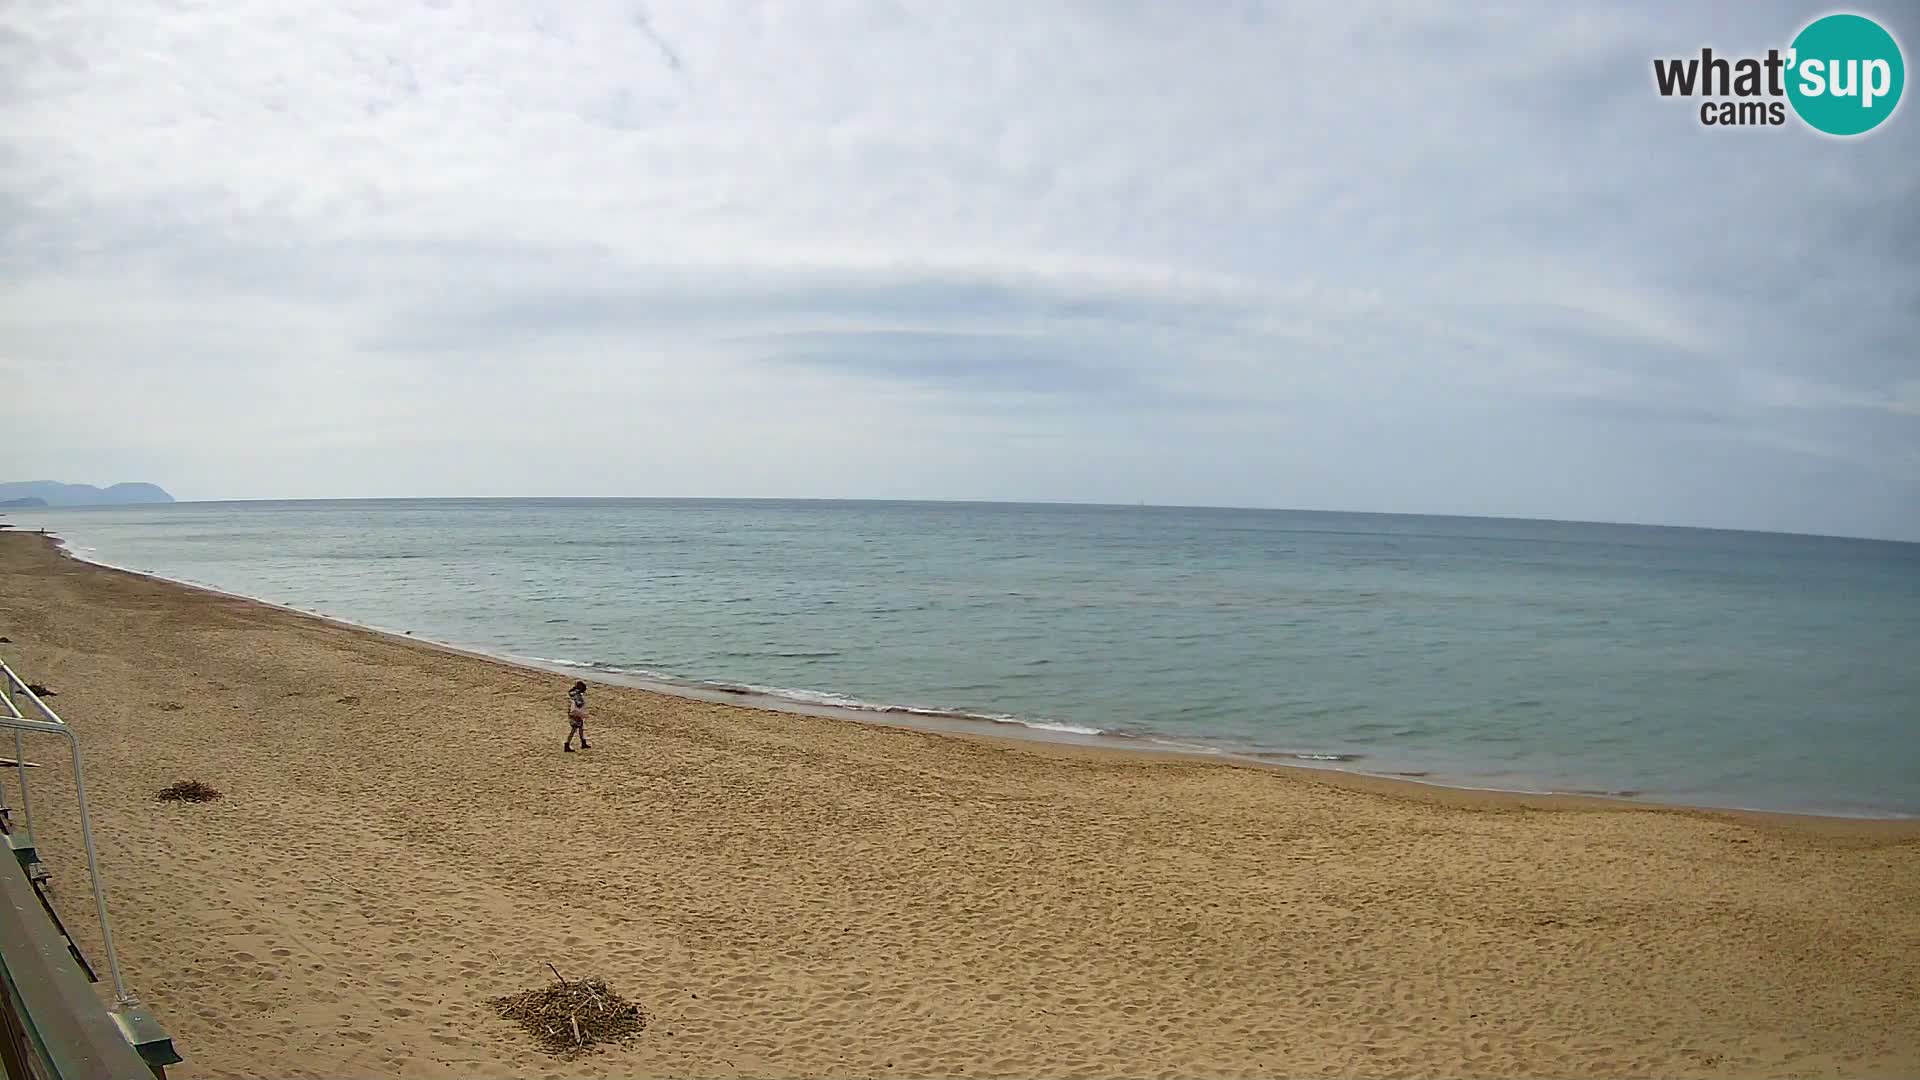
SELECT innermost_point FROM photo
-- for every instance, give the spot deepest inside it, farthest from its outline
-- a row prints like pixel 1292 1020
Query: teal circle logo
pixel 1846 74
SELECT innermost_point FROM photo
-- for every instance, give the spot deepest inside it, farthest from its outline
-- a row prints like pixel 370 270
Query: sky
pixel 1375 255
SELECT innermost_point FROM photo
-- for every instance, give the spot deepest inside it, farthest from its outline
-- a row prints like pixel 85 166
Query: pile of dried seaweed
pixel 574 1016
pixel 188 791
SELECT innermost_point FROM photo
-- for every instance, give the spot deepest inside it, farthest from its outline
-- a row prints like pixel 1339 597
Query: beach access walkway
pixel 52 1025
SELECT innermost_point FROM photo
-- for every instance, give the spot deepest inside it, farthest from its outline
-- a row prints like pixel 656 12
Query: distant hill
pixel 22 504
pixel 54 493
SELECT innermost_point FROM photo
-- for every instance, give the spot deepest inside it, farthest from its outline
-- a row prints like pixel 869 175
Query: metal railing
pixel 136 1025
pixel 12 690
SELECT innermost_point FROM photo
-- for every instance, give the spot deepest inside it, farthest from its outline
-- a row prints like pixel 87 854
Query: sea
pixel 1669 665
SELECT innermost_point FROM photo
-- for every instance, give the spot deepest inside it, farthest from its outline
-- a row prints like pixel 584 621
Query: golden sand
pixel 401 840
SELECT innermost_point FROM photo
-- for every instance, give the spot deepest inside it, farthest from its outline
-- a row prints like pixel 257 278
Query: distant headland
pixel 35 493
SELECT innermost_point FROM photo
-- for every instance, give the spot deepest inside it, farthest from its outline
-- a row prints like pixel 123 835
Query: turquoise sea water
pixel 1680 665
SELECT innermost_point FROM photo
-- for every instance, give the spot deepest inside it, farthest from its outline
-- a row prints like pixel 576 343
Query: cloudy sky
pixel 1368 255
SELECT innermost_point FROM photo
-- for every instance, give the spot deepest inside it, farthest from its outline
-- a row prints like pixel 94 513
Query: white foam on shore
pixel 821 698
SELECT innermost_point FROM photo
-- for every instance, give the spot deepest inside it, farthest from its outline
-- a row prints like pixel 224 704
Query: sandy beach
pixel 401 839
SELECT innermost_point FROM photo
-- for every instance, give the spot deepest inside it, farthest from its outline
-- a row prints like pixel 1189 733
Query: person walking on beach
pixel 577 716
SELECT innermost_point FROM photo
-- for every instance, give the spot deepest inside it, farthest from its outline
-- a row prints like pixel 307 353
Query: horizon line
pixel 980 502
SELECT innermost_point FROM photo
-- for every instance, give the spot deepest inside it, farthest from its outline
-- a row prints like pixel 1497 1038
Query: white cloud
pixel 1250 254
pixel 1905 399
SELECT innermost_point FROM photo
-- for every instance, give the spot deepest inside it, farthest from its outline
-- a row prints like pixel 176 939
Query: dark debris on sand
pixel 188 791
pixel 571 1017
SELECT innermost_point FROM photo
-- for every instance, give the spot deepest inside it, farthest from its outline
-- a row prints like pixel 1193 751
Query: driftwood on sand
pixel 188 791
pixel 570 1017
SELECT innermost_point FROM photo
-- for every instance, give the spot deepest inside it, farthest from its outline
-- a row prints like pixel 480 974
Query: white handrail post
pixel 20 761
pixel 26 800
pixel 120 992
pixel 6 699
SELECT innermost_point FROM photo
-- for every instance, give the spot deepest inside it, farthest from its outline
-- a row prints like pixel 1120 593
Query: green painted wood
pixel 71 1034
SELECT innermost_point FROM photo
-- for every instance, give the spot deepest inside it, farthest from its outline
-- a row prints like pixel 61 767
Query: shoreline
pixel 1019 733
pixel 967 725
pixel 401 841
